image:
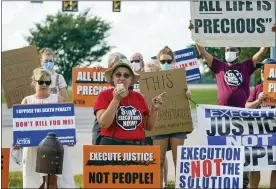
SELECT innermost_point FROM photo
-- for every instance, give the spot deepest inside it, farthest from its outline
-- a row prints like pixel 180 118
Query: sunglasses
pixel 40 82
pixel 136 61
pixel 164 61
pixel 126 75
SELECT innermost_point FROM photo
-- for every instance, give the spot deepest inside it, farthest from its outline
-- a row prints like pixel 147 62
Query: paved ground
pixel 84 120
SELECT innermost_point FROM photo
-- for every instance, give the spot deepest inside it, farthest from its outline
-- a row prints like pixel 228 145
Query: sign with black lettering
pixel 254 129
pixel 121 166
pixel 175 114
pixel 233 23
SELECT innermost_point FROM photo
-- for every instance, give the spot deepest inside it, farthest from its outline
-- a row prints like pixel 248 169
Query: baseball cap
pixel 265 61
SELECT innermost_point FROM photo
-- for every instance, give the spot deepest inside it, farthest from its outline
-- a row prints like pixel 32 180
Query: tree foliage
pixel 77 40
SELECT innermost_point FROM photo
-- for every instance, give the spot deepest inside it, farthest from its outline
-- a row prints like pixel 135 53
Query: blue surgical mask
pixel 166 66
pixel 48 65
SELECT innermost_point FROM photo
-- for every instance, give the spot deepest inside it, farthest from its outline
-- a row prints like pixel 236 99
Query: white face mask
pixel 136 66
pixel 230 56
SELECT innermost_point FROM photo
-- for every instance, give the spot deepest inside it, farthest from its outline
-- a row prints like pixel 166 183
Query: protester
pixel 41 81
pixel 255 101
pixel 96 130
pixel 233 76
pixel 166 60
pixel 116 105
pixel 137 62
pixel 48 61
pixel 153 66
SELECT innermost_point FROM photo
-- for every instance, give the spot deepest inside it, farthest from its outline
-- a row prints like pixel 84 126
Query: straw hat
pixel 121 63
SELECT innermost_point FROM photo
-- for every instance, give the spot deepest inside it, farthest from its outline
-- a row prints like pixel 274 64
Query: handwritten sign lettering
pixel 175 113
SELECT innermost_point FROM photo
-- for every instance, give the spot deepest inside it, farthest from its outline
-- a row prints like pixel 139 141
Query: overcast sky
pixel 141 26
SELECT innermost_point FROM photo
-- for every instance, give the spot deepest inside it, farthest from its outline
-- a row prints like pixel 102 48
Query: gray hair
pixel 152 66
pixel 115 57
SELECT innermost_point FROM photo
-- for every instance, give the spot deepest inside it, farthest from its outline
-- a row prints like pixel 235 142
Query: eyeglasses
pixel 126 75
pixel 164 61
pixel 136 61
pixel 40 82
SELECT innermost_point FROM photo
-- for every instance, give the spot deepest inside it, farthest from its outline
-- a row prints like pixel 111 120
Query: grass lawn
pixel 15 181
pixel 200 96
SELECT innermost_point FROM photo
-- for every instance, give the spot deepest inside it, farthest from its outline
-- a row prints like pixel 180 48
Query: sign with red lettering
pixel 209 167
pixel 32 123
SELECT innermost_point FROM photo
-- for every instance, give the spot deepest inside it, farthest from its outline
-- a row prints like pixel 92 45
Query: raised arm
pixel 207 56
pixel 260 55
pixel 106 117
pixel 263 50
pixel 202 51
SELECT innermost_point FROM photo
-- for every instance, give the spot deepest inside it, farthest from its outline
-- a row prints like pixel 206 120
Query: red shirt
pixel 128 123
pixel 230 91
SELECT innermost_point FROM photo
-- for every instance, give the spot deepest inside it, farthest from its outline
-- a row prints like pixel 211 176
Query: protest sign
pixel 253 128
pixel 209 167
pixel 175 114
pixel 233 23
pixel 32 123
pixel 186 58
pixel 5 164
pixel 87 83
pixel 270 84
pixel 121 166
pixel 17 69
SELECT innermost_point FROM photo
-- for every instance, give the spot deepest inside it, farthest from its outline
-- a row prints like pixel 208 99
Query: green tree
pixel 219 53
pixel 77 40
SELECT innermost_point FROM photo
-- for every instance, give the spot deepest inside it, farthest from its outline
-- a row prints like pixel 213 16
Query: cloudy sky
pixel 141 26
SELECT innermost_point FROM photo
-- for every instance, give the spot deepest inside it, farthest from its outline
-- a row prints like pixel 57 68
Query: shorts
pixel 181 135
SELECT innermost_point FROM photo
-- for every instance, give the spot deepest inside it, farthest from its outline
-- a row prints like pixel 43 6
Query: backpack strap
pixel 241 83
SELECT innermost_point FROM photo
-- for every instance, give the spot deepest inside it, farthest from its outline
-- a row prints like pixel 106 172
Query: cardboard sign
pixel 32 123
pixel 251 128
pixel 17 69
pixel 227 23
pixel 270 84
pixel 5 164
pixel 209 167
pixel 175 114
pixel 121 166
pixel 87 83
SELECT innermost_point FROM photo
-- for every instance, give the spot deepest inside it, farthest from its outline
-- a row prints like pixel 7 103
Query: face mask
pixel 136 66
pixel 166 66
pixel 230 56
pixel 48 65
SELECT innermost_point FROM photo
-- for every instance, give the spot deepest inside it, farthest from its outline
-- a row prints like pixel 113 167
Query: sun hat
pixel 121 63
pixel 265 61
